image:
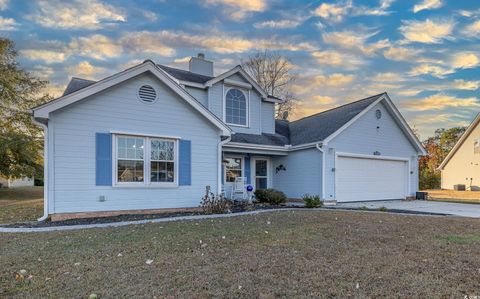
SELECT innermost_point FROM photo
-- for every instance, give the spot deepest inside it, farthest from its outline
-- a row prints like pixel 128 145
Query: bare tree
pixel 273 72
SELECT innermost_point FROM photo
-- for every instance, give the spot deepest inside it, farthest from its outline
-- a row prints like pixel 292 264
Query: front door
pixel 261 178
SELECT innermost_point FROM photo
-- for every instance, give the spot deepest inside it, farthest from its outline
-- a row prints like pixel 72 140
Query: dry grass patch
pixel 21 204
pixel 28 210
pixel 279 254
pixel 18 194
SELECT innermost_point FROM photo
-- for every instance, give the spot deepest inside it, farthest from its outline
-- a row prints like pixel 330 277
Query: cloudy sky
pixel 424 53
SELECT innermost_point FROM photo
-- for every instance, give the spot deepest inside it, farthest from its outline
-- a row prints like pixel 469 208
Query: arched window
pixel 236 107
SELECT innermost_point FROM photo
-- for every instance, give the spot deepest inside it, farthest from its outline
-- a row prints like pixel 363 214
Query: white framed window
pixel 162 160
pixel 130 159
pixel 236 107
pixel 233 168
pixel 262 173
pixel 145 161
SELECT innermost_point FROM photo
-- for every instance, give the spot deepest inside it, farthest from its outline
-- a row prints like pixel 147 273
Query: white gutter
pixel 304 146
pixel 45 168
pixel 220 163
pixel 319 147
pixel 258 146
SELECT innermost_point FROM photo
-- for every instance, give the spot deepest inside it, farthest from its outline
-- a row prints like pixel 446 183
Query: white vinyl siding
pixel 72 148
pixel 366 136
pixel 199 94
pixel 268 117
pixel 301 173
pixel 464 166
pixel 216 104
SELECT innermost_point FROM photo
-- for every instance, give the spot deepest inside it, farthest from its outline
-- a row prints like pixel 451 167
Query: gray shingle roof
pixel 282 128
pixel 313 128
pixel 317 127
pixel 76 84
pixel 264 139
pixel 185 75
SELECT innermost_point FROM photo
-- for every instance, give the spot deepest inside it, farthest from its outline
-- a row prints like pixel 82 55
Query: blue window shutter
pixel 247 170
pixel 185 163
pixel 103 157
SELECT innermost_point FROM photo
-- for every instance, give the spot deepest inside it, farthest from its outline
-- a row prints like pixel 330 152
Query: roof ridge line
pixel 74 77
pixel 182 70
pixel 338 107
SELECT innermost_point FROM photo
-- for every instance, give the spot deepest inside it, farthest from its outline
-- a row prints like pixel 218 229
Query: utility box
pixel 459 187
pixel 421 195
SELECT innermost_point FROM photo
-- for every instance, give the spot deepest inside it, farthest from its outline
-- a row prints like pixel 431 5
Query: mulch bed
pixel 237 208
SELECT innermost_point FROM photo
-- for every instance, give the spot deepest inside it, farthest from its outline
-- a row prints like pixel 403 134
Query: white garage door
pixel 370 179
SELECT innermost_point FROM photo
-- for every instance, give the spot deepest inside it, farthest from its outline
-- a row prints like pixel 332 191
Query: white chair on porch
pixel 239 188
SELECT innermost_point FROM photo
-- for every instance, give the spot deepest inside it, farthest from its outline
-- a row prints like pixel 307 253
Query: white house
pixel 152 137
pixel 15 183
pixel 462 164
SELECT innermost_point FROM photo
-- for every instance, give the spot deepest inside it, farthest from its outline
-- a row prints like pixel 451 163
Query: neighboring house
pixel 14 183
pixel 152 137
pixel 462 164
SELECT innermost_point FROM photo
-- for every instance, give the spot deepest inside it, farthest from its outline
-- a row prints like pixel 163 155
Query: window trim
pixel 247 102
pixel 254 171
pixel 116 162
pixel 146 166
pixel 242 167
pixel 175 161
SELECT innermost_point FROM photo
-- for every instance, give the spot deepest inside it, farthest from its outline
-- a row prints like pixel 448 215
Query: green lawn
pixel 279 254
pixel 21 204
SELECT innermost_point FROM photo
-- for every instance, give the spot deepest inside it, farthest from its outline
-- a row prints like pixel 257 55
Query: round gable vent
pixel 147 94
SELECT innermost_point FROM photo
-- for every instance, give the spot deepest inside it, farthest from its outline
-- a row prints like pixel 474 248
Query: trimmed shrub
pixel 383 209
pixel 312 201
pixel 260 195
pixel 271 196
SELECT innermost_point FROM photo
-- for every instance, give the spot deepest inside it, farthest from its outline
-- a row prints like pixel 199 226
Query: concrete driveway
pixel 434 207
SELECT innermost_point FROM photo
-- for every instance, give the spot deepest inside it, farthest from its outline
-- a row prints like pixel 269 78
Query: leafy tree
pixel 429 176
pixel 448 138
pixel 20 139
pixel 437 148
pixel 273 72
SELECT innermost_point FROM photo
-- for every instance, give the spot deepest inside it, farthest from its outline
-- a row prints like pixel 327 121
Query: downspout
pixel 45 168
pixel 220 163
pixel 319 147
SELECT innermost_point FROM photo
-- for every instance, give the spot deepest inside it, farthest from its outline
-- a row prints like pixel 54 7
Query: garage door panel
pixel 370 179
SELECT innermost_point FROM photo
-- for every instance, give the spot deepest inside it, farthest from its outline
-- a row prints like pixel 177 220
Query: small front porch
pixel 255 166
